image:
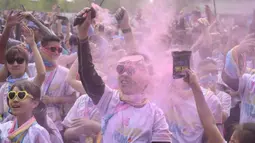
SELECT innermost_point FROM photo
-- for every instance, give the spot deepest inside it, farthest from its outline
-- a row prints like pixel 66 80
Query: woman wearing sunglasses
pixel 30 122
pixel 16 64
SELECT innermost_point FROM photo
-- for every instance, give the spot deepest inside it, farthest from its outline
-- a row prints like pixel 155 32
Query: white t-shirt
pixel 122 123
pixel 55 84
pixel 183 119
pixel 83 107
pixel 35 134
pixel 225 100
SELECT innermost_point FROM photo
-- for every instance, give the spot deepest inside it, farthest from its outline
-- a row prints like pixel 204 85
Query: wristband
pixel 124 31
pixel 84 40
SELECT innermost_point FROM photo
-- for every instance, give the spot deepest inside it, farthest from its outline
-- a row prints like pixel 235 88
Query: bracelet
pixel 124 31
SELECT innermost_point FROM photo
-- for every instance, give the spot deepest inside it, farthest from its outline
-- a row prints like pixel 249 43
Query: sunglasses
pixel 20 94
pixel 54 49
pixel 128 69
pixel 18 60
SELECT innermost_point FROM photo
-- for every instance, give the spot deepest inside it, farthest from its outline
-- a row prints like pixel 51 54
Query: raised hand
pixel 122 14
pixel 14 19
pixel 84 27
pixel 28 35
pixel 190 77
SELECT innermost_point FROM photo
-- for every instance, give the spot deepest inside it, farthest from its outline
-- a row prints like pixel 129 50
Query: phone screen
pixel 181 62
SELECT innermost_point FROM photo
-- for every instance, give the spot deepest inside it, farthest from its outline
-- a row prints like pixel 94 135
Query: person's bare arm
pixel 40 67
pixel 124 25
pixel 3 74
pixel 205 114
pixel 68 32
pixel 12 20
pixel 43 29
pixel 71 78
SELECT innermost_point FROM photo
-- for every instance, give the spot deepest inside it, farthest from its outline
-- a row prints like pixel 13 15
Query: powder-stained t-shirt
pixel 123 123
pixel 183 119
pixel 82 108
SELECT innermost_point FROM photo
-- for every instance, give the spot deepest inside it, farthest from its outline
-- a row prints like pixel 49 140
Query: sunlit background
pixel 223 6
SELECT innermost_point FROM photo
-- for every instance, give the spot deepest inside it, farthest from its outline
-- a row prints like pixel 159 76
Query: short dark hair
pixel 14 51
pixel 47 39
pixel 246 132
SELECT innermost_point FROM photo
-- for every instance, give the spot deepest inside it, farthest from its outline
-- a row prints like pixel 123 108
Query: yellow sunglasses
pixel 20 94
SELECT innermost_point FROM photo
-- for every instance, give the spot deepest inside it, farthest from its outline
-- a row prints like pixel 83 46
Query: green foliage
pixel 46 5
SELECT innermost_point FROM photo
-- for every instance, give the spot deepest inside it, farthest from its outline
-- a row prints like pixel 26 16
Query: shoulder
pixel 154 110
pixel 38 129
pixel 37 133
pixel 84 99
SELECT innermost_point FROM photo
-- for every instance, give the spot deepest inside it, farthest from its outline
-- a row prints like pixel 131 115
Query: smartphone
pixel 181 62
pixel 80 19
pixel 119 14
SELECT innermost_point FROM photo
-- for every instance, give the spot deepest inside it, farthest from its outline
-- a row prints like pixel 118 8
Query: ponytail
pixel 40 114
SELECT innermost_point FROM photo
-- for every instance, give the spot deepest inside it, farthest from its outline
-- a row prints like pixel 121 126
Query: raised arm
pixel 71 78
pixel 205 114
pixel 43 29
pixel 40 68
pixel 124 25
pixel 234 63
pixel 12 20
pixel 91 81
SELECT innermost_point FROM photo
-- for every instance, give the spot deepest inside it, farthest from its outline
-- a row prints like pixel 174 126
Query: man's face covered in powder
pixel 133 75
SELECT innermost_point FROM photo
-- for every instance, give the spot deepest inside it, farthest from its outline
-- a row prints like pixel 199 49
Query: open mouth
pixel 15 106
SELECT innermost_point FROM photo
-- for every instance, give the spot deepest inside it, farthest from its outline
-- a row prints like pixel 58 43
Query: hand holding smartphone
pixel 181 62
pixel 80 19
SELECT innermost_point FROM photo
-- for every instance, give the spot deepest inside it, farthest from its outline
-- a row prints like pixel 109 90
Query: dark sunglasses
pixel 20 94
pixel 122 68
pixel 54 49
pixel 18 60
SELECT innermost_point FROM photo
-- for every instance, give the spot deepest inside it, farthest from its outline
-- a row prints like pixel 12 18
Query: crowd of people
pixel 110 78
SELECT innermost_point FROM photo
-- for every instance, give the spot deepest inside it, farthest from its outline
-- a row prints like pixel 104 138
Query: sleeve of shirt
pixel 39 135
pixel 160 131
pixel 226 103
pixel 108 101
pixel 73 114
